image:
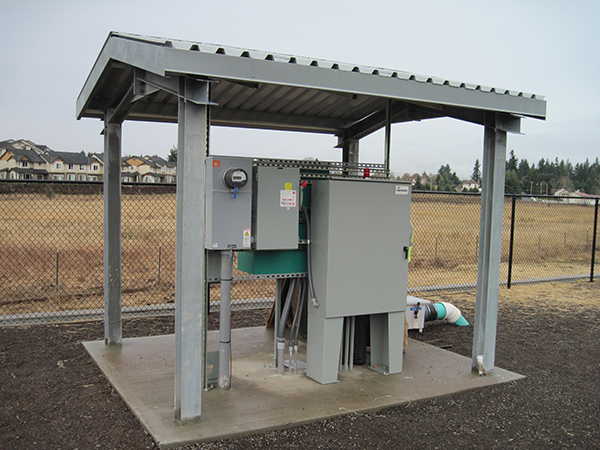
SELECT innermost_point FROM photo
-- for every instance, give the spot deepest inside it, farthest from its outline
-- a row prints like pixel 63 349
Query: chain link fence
pixel 543 239
pixel 51 245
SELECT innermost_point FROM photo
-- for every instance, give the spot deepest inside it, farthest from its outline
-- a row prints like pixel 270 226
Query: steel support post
pixel 190 299
pixel 594 237
pixel 490 247
pixel 350 155
pixel 512 242
pixel 112 234
pixel 388 134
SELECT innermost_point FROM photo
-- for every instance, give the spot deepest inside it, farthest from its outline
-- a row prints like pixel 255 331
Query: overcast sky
pixel 547 47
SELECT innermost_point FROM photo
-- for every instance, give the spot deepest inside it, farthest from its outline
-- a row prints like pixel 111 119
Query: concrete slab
pixel 142 371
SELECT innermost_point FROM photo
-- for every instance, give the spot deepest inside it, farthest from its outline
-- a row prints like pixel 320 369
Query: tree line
pixel 548 176
pixel 445 180
pixel 542 178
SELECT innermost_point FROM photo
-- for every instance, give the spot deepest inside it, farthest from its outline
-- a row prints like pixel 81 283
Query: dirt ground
pixel 53 396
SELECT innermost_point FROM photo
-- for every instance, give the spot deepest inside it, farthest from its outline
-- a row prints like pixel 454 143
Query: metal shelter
pixel 198 85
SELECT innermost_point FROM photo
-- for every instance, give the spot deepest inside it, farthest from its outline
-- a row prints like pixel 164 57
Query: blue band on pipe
pixel 462 322
pixel 441 309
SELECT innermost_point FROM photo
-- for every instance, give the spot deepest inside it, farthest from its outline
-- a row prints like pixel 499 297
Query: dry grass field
pixel 52 248
pixel 550 240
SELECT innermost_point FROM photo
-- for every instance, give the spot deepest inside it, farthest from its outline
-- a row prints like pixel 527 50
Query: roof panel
pixel 253 85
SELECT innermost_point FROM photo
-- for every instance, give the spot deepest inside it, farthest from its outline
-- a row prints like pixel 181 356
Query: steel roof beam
pixel 275 121
pixel 400 112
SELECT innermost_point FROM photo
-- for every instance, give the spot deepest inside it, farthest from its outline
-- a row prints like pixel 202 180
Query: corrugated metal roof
pixel 315 62
pixel 253 88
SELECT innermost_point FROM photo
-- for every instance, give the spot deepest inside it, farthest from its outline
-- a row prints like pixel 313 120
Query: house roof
pixel 98 156
pixel 68 157
pixel 138 75
pixel 584 195
pixel 27 170
pixel 157 160
pixel 21 154
pixel 7 143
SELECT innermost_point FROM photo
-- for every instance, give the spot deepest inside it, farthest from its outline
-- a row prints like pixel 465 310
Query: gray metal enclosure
pixel 360 265
pixel 227 217
pixel 360 231
pixel 198 85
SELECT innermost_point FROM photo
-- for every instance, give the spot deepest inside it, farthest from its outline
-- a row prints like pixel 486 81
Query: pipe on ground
pixel 445 311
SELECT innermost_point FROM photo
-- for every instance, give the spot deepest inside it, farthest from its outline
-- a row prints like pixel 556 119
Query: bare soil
pixel 53 396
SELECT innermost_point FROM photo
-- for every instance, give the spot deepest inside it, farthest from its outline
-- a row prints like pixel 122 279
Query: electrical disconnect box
pixel 250 207
pixel 228 203
pixel 275 220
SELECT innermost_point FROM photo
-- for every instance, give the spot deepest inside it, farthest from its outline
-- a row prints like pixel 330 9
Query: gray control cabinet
pixel 360 239
pixel 228 214
pixel 276 206
pixel 359 231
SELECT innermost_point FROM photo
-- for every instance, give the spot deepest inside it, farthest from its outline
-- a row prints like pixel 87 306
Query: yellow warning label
pixel 288 186
pixel 246 238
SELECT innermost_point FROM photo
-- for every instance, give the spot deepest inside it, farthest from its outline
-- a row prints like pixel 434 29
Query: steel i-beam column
pixel 490 247
pixel 350 154
pixel 388 134
pixel 112 233
pixel 190 301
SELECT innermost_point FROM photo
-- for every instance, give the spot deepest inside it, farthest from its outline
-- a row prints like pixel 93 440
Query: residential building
pixel 469 184
pixel 25 160
pixel 577 197
pixel 148 169
pixel 69 166
pixel 22 164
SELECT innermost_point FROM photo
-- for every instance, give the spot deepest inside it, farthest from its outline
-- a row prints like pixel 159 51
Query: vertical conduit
pixel 347 343
pixel 352 331
pixel 277 312
pixel 282 323
pixel 225 320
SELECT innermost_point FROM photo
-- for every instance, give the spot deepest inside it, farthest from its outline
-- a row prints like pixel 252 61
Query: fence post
pixel 594 235
pixel 159 259
pixel 56 270
pixel 512 242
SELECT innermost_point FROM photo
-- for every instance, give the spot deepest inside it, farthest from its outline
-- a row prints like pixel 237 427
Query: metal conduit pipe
pixel 347 343
pixel 347 354
pixel 303 300
pixel 313 297
pixel 282 324
pixel 352 331
pixel 225 320
pixel 296 327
